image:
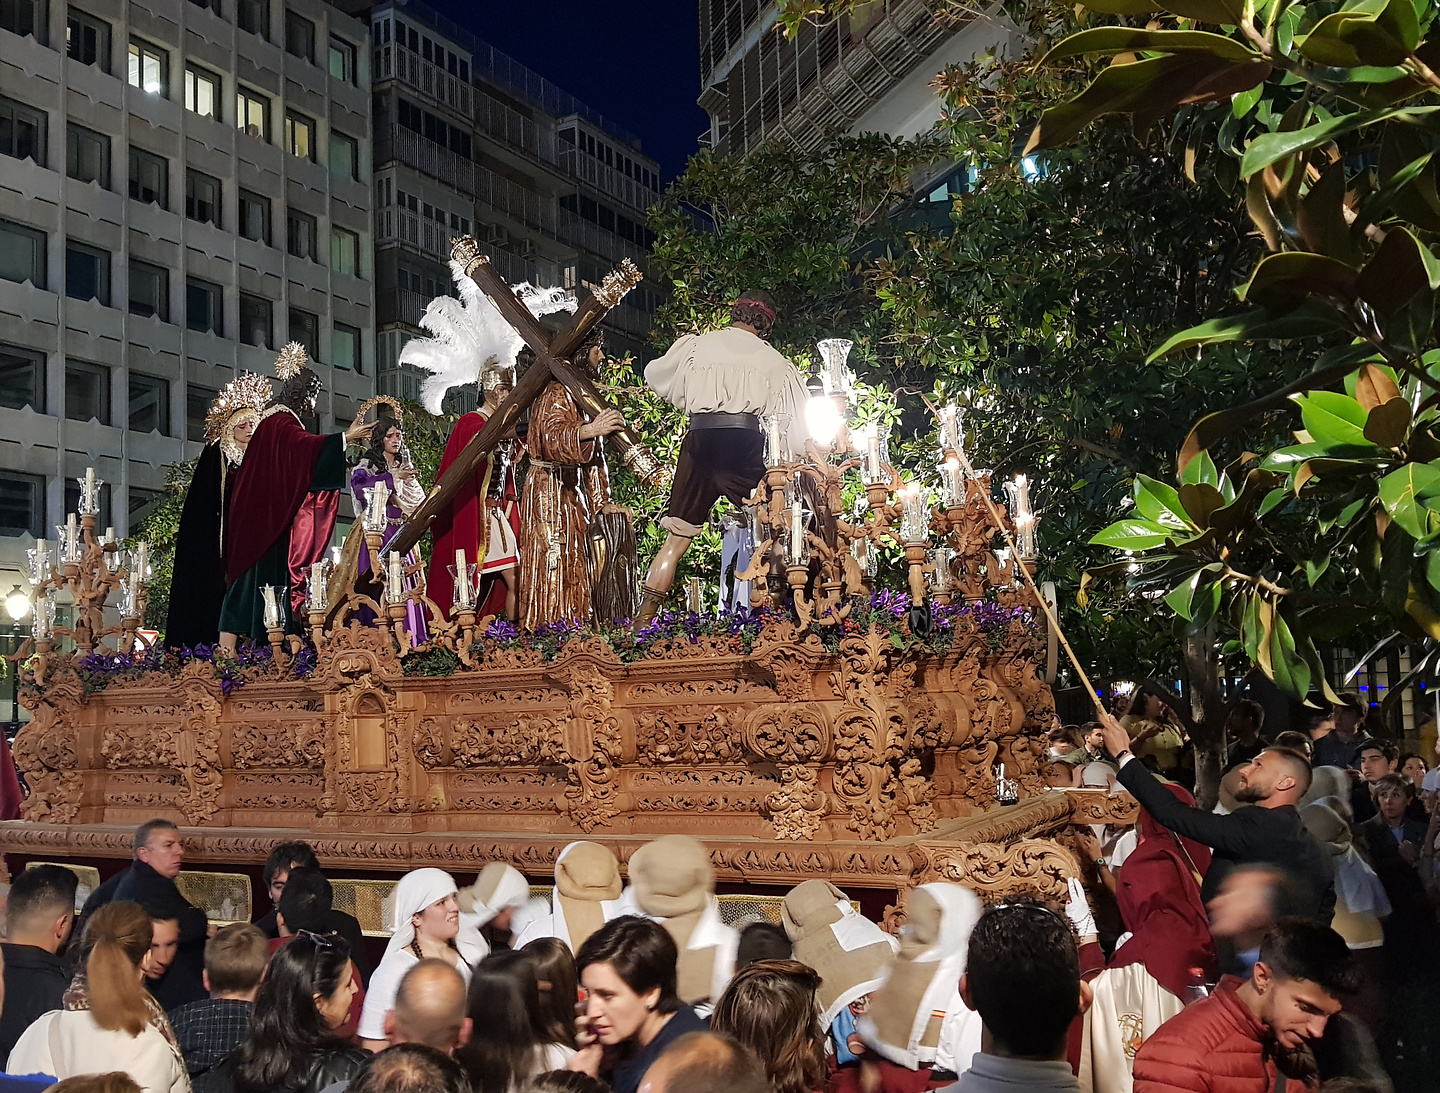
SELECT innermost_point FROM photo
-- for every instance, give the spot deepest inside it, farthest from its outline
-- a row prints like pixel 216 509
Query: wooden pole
pixel 1035 591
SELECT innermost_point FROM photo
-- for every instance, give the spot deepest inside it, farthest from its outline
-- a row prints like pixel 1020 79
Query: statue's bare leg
pixel 228 642
pixel 512 609
pixel 660 578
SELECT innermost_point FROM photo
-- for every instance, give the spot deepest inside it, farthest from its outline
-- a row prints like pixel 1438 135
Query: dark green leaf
pixel 1387 424
pixel 1269 148
pixel 1108 40
pixel 1284 280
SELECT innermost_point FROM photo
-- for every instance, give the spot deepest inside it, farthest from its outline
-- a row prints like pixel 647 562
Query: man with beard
pixel 566 487
pixel 1269 833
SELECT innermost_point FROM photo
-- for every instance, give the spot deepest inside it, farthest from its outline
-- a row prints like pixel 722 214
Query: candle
pixel 334 556
pixel 952 434
pixel 463 587
pixel 395 579
pixel 772 440
pixel 87 498
pixel 273 619
pixel 72 542
pixel 954 483
pixel 1023 517
pixel 317 590
pixel 797 532
pixel 109 537
pixel 142 560
pixel 914 514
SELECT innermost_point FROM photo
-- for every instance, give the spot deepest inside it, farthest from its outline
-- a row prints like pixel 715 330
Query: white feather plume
pixel 469 333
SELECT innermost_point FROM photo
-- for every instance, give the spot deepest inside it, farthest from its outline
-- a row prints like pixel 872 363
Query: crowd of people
pixel 1276 939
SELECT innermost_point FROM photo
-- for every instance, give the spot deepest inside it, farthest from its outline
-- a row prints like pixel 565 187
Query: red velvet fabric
pixel 1160 902
pixel 309 539
pixel 270 487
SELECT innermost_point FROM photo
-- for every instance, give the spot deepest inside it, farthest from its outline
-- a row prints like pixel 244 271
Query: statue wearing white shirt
pixel 724 380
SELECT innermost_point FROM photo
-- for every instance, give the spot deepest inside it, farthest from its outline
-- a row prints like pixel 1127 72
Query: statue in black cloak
pixel 197 584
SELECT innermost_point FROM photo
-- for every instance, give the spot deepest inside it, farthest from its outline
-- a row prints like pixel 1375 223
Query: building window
pixel 572 277
pixel 149 405
pixel 87 392
pixel 22 254
pixel 149 290
pixel 22 378
pixel 140 503
pixel 344 156
pixel 202 197
pixel 149 178
pixel 345 347
pixel 147 67
pixel 252 113
pixel 87 273
pixel 256 322
pixel 255 217
pixel 209 5
pixel 22 132
pixel 344 251
pixel 299 135
pixel 87 39
pixel 197 405
pixel 300 234
pixel 27 18
pixel 87 155
pixel 22 504
pixel 299 37
pixel 202 92
pixel 253 17
pixel 342 59
pixel 204 307
pixel 305 328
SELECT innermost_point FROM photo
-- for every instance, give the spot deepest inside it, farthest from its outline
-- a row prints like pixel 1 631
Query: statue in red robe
pixel 283 507
pixel 482 517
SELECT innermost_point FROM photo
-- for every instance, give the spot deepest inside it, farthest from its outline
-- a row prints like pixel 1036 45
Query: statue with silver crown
pixel 282 512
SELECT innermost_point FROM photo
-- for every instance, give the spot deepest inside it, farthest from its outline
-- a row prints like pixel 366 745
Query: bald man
pixel 429 1008
pixel 705 1062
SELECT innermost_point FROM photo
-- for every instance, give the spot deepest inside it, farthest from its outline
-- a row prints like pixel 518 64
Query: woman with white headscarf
pixel 491 905
pixel 424 924
pixel 916 1019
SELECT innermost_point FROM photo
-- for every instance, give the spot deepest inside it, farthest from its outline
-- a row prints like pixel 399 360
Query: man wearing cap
pixel 724 380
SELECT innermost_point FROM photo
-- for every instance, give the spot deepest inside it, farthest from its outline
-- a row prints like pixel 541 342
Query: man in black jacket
pixel 42 908
pixel 150 882
pixel 1270 832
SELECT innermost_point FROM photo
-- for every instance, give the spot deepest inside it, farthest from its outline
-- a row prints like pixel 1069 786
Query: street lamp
pixel 17 604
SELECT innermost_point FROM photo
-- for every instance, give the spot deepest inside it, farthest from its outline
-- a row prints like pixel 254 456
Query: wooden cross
pixel 551 362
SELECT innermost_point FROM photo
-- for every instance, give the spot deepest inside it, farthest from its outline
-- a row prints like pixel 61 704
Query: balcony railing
pixel 396 225
pixel 427 157
pixel 587 168
pixel 392 61
pixel 579 232
pixel 509 125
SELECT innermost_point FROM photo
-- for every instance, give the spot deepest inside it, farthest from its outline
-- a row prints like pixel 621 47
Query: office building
pixel 183 189
pixel 870 71
pixel 468 141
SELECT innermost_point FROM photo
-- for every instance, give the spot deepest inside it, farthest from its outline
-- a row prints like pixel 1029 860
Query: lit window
pixel 202 92
pixel 147 67
pixel 299 136
pixel 252 113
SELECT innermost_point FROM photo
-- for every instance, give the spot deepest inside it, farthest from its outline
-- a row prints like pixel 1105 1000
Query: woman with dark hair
pixel 293 1046
pixel 510 1041
pixel 559 986
pixel 632 1013
pixel 1154 732
pixel 770 1007
pixel 386 462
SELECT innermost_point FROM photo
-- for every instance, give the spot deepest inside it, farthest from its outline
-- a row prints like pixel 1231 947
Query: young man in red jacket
pixel 1240 1038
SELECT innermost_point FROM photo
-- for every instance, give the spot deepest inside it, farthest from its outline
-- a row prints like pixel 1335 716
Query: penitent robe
pixel 565 487
pixel 281 516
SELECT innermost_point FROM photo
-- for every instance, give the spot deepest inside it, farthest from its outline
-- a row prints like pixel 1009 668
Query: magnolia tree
pixel 1329 118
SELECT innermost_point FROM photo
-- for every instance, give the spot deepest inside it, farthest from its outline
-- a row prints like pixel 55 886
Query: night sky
pixel 635 61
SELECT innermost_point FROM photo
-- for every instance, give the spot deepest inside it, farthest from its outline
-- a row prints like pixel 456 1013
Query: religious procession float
pixel 525 687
